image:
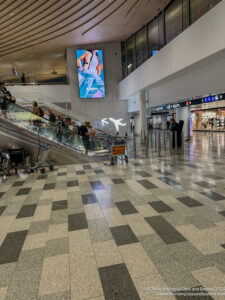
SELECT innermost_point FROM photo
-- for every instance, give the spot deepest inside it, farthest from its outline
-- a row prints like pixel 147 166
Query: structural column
pixel 142 114
pixel 184 113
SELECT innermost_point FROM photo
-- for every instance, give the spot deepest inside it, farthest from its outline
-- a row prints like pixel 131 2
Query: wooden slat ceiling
pixel 36 32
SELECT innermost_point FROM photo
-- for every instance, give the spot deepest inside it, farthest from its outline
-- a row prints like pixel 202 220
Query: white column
pixel 184 113
pixel 142 113
pixel 163 121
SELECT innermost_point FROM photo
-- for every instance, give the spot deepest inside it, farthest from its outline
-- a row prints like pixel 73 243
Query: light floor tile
pixel 57 231
pixel 114 217
pixel 137 261
pixel 139 189
pixel 47 194
pixel 146 210
pixel 33 241
pixel 80 244
pixel 138 225
pixel 60 195
pixel 84 276
pixel 210 277
pixel 42 213
pixel 3 292
pixel 93 211
pixel 107 253
pixel 55 275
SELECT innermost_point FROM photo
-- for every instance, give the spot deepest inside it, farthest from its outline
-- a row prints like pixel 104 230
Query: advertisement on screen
pixel 90 73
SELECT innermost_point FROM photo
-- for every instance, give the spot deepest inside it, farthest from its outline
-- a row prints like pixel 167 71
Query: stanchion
pixel 175 141
pixel 134 144
pixel 164 139
pixel 147 145
pixel 159 143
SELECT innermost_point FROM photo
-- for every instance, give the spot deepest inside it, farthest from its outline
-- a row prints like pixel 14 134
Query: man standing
pixel 85 136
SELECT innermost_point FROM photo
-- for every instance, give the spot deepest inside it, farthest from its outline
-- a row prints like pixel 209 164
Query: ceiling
pixel 35 33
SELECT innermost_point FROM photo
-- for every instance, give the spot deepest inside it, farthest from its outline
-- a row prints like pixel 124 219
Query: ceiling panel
pixel 38 31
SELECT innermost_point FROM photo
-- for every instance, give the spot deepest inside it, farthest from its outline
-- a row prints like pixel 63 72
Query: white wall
pixel 110 106
pixel 195 54
pixel 48 93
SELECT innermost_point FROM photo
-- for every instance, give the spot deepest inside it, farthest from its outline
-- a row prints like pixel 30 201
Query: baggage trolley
pixel 118 150
pixel 42 157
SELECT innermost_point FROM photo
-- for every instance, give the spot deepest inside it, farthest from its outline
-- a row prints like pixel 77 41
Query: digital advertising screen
pixel 90 73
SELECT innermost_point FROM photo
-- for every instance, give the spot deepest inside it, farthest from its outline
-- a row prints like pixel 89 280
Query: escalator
pixel 20 129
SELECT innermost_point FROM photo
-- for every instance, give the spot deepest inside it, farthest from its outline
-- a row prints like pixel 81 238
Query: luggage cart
pixel 117 147
pixel 42 157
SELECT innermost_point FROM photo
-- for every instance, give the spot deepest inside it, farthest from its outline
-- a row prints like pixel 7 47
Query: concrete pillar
pixel 163 121
pixel 142 113
pixel 184 113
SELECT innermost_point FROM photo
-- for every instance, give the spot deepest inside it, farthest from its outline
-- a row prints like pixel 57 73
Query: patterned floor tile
pixel 126 208
pixel 123 235
pixel 116 281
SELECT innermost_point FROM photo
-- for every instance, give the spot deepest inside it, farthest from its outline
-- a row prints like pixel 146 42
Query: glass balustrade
pixel 25 118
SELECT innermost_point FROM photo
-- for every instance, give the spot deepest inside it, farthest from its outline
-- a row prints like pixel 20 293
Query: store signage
pixel 208 99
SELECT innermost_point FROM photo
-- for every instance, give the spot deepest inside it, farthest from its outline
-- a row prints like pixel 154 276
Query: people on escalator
pixel 51 116
pixel 66 131
pixel 85 136
pixel 58 128
pixel 93 141
pixel 3 100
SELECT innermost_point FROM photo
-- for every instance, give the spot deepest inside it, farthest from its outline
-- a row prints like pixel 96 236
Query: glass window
pixel 131 59
pixel 198 8
pixel 141 46
pixel 161 41
pixel 124 59
pixel 173 20
pixel 153 37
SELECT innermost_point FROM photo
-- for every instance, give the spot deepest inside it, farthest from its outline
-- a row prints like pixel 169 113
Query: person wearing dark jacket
pixel 58 128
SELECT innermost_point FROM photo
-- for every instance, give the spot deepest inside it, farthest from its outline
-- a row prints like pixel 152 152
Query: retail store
pixel 209 117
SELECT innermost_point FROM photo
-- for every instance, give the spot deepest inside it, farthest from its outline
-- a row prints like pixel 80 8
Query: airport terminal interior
pixel 112 149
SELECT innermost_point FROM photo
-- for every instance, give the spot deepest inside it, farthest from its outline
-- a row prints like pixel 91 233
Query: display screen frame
pixel 90 72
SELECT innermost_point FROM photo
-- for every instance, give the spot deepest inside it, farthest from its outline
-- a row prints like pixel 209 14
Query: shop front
pixel 209 120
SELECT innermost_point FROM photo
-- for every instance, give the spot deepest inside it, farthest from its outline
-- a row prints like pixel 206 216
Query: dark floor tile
pixel 49 186
pixel 77 222
pixel 143 173
pixel 169 181
pixel 123 235
pixel 199 291
pixel 18 183
pixel 213 176
pixel 24 191
pixel 62 174
pixel 82 172
pixel 160 206
pixel 147 184
pixel 205 184
pixel 72 183
pixel 100 171
pixel 118 181
pixel 165 230
pixel 193 166
pixel 189 202
pixel 2 209
pixel 164 172
pixel 57 205
pixel 117 283
pixel 41 177
pixel 26 211
pixel 137 164
pixel 126 208
pixel 222 213
pixel 87 167
pixel 12 246
pixel 223 246
pixel 89 198
pixel 1 194
pixel 97 185
pixel 214 196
